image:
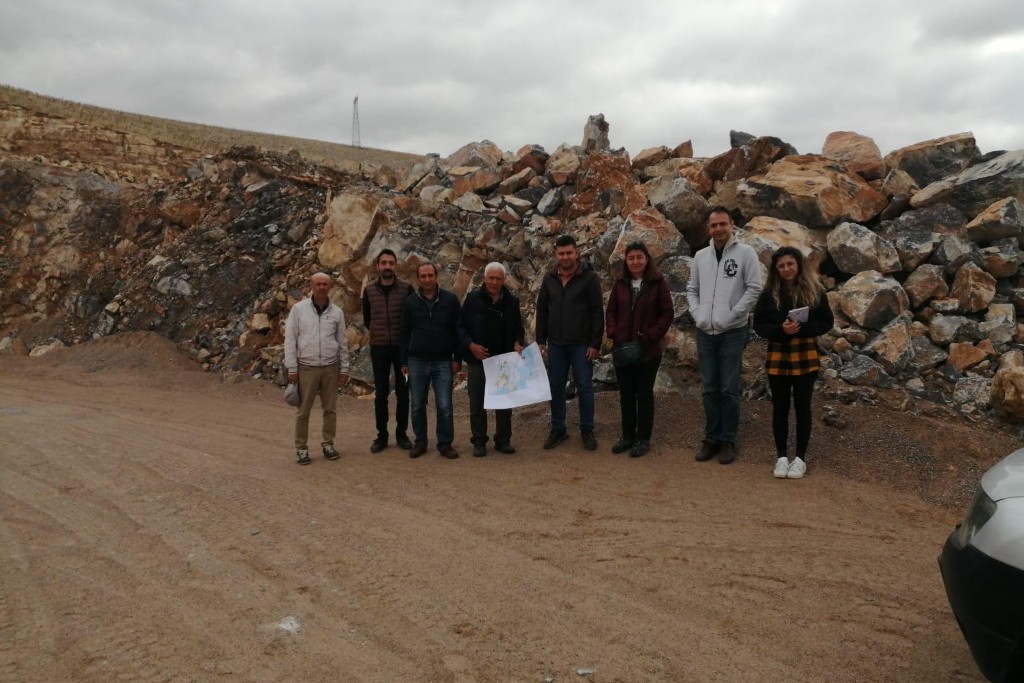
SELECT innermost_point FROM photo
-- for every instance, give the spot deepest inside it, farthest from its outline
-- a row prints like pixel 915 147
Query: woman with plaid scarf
pixel 791 313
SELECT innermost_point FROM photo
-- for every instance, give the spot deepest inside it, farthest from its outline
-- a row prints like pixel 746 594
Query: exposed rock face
pixel 212 251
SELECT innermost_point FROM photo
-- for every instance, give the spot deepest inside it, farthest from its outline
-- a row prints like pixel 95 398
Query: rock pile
pixel 920 249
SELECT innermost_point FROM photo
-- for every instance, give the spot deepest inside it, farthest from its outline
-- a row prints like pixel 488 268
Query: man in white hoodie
pixel 725 281
pixel 316 356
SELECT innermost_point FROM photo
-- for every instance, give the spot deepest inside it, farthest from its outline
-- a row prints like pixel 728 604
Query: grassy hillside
pixel 210 139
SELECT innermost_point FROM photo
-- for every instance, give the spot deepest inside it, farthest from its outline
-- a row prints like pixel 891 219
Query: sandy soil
pixel 153 527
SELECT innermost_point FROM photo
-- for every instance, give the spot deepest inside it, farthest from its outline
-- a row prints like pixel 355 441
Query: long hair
pixel 650 270
pixel 806 289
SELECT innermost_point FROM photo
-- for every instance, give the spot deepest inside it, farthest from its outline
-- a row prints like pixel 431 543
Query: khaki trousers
pixel 313 381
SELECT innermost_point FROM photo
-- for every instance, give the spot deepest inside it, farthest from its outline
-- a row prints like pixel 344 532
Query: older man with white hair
pixel 493 323
pixel 316 356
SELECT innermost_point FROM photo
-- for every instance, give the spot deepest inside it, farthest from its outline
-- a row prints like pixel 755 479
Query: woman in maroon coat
pixel 639 309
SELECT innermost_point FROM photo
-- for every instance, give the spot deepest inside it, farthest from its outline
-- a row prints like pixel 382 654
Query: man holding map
pixel 493 323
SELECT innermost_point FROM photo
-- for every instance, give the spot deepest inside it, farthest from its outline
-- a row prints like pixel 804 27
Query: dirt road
pixel 153 527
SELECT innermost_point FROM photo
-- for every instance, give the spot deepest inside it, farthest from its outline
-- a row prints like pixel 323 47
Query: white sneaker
pixel 781 468
pixel 797 469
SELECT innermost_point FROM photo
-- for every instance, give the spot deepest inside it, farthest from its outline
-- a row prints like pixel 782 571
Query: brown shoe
pixel 449 452
pixel 707 451
pixel 418 449
pixel 727 454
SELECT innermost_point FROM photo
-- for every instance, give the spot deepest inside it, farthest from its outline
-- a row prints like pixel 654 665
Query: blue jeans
pixel 438 375
pixel 721 358
pixel 561 358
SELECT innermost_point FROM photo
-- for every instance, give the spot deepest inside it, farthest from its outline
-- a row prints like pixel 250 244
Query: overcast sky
pixel 434 75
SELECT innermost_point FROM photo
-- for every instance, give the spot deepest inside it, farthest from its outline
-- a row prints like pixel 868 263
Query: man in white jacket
pixel 316 356
pixel 725 281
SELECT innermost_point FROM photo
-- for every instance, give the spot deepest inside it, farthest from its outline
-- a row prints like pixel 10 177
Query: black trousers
pixel 798 389
pixel 475 381
pixel 636 398
pixel 386 361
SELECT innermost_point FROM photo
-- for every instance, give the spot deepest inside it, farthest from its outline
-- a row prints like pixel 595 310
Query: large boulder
pixel 692 170
pixel 1004 218
pixel 530 156
pixel 1002 258
pixel 483 154
pixel 862 371
pixel 857 152
pixel 650 157
pixel 1008 393
pixel 563 165
pixel 595 134
pixel 933 160
pixel 352 220
pixel 943 330
pixel 855 248
pixel 766 234
pixel 977 187
pixel 680 203
pixel 973 287
pixel 893 346
pixel 916 234
pixel 925 283
pixel 872 300
pixel 751 158
pixel 653 229
pixel 809 190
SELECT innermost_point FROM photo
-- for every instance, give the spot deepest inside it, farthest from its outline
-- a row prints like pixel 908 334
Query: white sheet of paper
pixel 515 380
pixel 799 315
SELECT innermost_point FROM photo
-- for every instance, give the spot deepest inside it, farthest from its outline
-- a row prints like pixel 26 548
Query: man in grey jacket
pixel 316 356
pixel 725 281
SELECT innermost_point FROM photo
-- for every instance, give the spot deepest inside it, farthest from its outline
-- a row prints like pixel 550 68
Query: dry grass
pixel 209 139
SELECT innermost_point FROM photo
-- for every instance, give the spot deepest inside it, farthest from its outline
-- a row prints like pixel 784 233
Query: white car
pixel 982 566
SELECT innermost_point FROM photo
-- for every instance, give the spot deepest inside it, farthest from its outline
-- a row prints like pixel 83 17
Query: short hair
pixel 318 274
pixel 386 252
pixel 565 241
pixel 424 265
pixel 717 209
pixel 494 265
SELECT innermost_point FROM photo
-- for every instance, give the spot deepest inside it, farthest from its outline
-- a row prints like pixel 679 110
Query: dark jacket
pixel 768 317
pixel 430 329
pixel 573 314
pixel 647 319
pixel 382 312
pixel 496 325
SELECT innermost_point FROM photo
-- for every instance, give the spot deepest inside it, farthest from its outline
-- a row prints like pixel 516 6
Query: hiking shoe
pixel 727 453
pixel 378 445
pixel 450 453
pixel 505 448
pixel 403 442
pixel 556 437
pixel 781 467
pixel 330 452
pixel 707 451
pixel 622 445
pixel 479 450
pixel 302 456
pixel 589 442
pixel 640 448
pixel 797 469
pixel 418 449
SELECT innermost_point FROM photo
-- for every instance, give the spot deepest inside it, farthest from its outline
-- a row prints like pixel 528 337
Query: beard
pixel 387 274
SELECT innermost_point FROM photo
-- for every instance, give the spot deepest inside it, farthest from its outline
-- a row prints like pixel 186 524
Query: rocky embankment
pixel 103 232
